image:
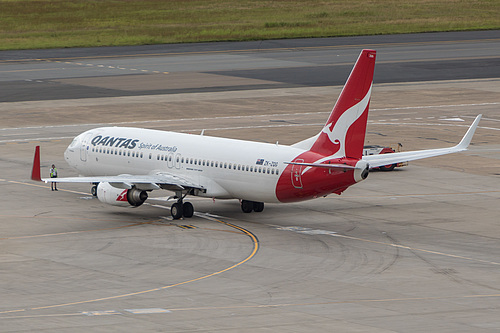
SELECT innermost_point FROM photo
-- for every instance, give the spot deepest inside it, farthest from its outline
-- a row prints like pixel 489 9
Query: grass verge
pixel 29 24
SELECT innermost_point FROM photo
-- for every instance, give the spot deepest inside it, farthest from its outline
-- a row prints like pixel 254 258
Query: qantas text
pixel 114 142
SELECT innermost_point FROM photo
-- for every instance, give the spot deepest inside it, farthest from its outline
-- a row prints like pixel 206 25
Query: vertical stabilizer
pixel 344 132
pixel 35 172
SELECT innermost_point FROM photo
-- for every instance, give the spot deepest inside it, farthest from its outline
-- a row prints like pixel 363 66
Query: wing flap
pixel 144 182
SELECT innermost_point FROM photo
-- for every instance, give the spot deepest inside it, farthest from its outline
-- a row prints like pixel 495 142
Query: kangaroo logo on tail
pixel 344 132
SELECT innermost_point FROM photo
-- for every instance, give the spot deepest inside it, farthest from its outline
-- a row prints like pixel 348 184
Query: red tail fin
pixel 35 173
pixel 344 132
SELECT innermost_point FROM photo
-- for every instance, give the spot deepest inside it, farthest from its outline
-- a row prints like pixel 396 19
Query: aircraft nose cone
pixel 69 155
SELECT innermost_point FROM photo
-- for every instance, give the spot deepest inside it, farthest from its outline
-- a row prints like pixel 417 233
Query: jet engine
pixel 120 197
pixel 362 170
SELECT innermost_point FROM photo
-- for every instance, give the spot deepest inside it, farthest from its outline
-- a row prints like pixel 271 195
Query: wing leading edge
pixel 386 159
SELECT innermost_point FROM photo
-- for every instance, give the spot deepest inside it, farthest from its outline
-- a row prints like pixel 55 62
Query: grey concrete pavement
pixel 411 250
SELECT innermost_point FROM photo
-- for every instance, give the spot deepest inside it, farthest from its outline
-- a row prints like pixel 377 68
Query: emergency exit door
pixel 297 174
pixel 84 147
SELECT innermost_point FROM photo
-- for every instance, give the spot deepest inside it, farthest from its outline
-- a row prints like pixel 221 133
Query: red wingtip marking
pixel 35 173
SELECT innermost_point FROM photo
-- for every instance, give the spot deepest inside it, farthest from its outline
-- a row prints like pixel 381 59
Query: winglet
pixel 465 142
pixel 35 173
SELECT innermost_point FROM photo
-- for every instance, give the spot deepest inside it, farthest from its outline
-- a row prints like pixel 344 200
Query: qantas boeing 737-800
pixel 124 163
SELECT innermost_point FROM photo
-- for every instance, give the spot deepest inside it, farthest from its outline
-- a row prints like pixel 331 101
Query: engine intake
pixel 120 197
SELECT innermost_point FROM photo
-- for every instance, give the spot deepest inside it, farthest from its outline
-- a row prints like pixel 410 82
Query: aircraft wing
pixel 385 159
pixel 153 181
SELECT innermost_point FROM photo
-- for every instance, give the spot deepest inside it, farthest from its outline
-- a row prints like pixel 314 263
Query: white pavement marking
pixel 101 313
pixel 310 231
pixel 148 311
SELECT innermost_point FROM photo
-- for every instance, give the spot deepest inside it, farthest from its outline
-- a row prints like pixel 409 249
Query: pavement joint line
pixel 416 195
pixel 253 306
pixel 77 232
pixel 374 122
pixel 239 117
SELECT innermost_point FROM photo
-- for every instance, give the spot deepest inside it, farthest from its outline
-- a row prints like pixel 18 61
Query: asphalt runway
pixel 411 250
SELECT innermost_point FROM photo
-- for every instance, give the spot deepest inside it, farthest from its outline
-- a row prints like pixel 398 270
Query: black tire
pixel 93 190
pixel 246 206
pixel 187 210
pixel 176 211
pixel 258 207
pixel 389 167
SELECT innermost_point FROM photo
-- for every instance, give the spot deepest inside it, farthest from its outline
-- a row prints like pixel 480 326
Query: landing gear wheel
pixel 93 190
pixel 187 209
pixel 258 207
pixel 389 167
pixel 176 211
pixel 246 206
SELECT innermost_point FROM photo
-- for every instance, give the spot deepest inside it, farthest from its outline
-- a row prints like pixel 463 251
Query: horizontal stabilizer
pixel 322 165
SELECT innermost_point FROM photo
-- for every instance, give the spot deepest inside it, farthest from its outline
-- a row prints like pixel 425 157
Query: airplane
pixel 125 163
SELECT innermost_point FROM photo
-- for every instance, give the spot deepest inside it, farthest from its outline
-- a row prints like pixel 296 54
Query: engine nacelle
pixel 120 197
pixel 362 170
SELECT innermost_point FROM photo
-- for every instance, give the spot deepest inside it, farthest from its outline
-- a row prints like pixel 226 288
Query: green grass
pixel 27 24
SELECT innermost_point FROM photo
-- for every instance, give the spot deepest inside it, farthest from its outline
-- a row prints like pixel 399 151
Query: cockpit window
pixel 74 142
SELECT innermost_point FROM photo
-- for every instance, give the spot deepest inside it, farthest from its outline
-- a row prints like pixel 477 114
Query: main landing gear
pixel 249 206
pixel 182 209
pixel 93 189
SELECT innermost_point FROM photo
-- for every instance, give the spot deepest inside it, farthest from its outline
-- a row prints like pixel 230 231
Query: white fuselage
pixel 226 168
